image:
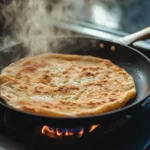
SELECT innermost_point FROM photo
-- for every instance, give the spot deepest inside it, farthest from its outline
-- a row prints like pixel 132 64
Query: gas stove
pixel 125 133
pixel 128 132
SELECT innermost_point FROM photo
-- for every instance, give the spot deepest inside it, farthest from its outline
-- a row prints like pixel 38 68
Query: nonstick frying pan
pixel 133 61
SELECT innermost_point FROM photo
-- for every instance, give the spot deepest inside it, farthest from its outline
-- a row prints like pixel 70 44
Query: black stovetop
pixel 132 135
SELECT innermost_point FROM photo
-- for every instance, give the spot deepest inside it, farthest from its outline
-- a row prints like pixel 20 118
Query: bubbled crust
pixel 66 85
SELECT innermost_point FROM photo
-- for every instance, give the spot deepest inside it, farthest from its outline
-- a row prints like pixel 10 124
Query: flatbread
pixel 65 85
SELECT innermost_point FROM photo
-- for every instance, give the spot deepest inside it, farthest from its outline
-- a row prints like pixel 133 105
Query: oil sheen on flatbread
pixel 65 85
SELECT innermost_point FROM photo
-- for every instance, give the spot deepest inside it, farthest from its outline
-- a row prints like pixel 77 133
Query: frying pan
pixel 133 61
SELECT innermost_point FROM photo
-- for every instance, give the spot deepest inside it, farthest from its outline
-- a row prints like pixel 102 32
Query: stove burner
pixel 61 133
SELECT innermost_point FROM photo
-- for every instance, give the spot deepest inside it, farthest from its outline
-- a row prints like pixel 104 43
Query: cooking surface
pixel 134 136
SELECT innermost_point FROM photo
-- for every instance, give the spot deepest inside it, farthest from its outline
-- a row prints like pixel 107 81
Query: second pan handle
pixel 137 36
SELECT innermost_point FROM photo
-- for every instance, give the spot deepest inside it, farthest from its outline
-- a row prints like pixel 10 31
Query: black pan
pixel 133 61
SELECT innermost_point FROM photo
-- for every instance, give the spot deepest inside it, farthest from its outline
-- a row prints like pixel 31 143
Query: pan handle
pixel 137 36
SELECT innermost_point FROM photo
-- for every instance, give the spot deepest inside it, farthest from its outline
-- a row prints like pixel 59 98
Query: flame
pixel 93 127
pixel 55 133
pixel 58 133
pixel 67 133
pixel 81 132
pixel 47 131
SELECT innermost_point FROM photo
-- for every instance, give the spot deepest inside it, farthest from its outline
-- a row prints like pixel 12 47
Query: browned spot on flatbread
pixel 33 66
pixel 45 78
pixel 66 88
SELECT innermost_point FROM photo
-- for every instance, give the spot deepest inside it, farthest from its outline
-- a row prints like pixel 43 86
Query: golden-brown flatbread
pixel 66 85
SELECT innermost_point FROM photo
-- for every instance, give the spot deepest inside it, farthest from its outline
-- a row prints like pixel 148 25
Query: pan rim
pixel 127 107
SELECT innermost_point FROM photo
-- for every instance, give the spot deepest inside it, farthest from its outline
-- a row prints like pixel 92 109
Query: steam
pixel 33 22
